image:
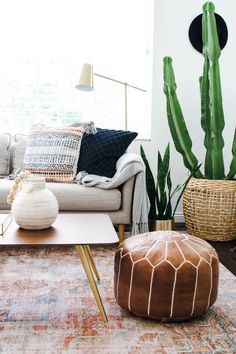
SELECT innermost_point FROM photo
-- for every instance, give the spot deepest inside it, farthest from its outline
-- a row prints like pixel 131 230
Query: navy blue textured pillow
pixel 100 152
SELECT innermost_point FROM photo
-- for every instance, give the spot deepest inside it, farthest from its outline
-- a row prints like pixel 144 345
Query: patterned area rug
pixel 46 306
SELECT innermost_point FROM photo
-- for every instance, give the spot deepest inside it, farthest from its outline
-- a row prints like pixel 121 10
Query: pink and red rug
pixel 46 306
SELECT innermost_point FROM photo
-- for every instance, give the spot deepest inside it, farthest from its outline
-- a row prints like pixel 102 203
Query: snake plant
pixel 160 193
pixel 212 116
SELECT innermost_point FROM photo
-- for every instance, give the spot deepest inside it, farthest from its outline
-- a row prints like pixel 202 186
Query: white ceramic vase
pixel 35 207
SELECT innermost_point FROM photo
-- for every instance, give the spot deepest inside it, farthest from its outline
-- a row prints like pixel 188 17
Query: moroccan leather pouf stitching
pixel 166 275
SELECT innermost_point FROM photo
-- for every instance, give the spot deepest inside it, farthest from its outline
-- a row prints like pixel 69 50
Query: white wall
pixel 172 21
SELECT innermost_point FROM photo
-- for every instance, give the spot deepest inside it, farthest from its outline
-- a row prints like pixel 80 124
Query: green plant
pixel 160 193
pixel 212 116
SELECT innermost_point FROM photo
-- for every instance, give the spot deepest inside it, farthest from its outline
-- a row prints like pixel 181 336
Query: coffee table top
pixel 68 229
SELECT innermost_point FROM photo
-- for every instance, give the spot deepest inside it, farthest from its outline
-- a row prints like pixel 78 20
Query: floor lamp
pixel 86 84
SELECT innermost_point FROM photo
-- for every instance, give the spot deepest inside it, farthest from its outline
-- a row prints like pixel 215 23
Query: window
pixel 43 46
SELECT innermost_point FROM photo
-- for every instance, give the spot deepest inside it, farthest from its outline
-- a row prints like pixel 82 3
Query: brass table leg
pixel 81 249
pixel 91 261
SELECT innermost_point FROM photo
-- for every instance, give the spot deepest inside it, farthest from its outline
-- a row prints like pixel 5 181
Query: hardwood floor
pixel 226 250
pixel 227 254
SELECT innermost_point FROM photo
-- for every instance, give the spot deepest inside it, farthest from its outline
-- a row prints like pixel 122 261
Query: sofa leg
pixel 121 232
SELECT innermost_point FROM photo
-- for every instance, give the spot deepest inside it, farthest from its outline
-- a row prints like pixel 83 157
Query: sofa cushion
pixel 5 141
pixel 54 152
pixel 71 196
pixel 100 152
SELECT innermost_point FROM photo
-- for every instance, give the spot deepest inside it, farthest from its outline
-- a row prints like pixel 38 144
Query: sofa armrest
pixel 124 214
pixel 127 196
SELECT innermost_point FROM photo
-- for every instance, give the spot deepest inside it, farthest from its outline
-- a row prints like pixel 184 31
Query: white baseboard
pixel 179 217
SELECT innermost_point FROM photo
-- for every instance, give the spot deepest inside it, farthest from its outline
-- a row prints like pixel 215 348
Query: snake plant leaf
pixel 232 171
pixel 162 169
pixel 177 188
pixel 150 184
pixel 212 52
pixel 158 204
pixel 166 160
pixel 160 187
pixel 178 129
pixel 160 175
pixel 162 206
pixel 168 211
pixel 169 182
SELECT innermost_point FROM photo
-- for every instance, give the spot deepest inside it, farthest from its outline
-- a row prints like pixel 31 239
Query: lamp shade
pixel 86 78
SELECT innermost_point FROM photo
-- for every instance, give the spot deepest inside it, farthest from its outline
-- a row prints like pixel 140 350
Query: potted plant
pixel 161 213
pixel 209 201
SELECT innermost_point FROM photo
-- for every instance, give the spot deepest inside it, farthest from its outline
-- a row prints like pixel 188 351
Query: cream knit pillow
pixel 54 152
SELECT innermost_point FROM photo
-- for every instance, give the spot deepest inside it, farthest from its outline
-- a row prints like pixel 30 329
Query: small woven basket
pixel 210 209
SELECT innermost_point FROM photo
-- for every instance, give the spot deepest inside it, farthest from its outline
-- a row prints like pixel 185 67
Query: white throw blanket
pixel 127 166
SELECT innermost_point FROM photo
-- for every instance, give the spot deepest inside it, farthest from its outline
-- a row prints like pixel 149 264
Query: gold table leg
pixel 85 259
pixel 91 261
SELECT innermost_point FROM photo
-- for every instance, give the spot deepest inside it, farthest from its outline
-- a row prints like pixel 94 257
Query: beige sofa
pixel 117 202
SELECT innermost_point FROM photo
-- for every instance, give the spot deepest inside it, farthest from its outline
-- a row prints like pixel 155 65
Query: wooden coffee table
pixel 80 230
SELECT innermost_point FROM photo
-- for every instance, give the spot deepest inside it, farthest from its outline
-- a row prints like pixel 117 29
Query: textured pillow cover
pixel 100 152
pixel 54 152
pixel 5 141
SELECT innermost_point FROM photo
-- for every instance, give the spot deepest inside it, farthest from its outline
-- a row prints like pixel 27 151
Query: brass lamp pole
pixel 86 84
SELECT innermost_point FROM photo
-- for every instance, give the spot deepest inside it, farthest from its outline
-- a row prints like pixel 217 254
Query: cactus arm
pixel 178 129
pixel 205 104
pixel 150 184
pixel 217 125
pixel 232 171
pixel 212 51
pixel 206 118
pixel 210 39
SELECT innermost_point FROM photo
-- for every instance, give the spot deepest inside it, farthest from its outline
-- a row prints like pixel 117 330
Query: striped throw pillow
pixel 54 152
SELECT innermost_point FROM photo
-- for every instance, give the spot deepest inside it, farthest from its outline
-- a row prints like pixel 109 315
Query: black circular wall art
pixel 195 32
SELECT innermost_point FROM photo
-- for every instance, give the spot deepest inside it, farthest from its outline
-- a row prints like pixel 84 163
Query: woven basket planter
pixel 210 209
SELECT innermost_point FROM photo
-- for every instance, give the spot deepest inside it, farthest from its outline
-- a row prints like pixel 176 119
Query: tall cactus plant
pixel 212 116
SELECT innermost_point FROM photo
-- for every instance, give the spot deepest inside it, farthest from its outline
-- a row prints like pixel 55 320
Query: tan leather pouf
pixel 166 275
